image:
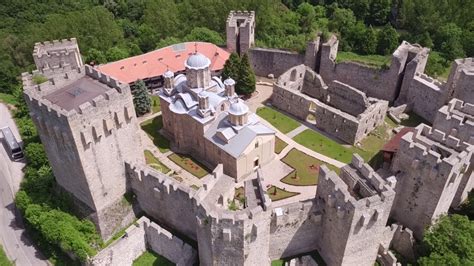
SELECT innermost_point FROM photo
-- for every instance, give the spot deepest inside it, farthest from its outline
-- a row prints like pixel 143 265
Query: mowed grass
pixel 4 261
pixel 279 145
pixel 306 167
pixel 151 127
pixel 155 103
pixel 326 146
pixel 276 193
pixel 149 258
pixel 155 163
pixel 189 164
pixel 375 61
pixel 279 120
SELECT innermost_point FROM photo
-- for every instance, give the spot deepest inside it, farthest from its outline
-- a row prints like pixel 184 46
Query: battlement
pixel 430 80
pixel 247 18
pixel 367 173
pixel 334 191
pixel 54 48
pixel 441 151
pixel 74 92
pixel 458 105
pixel 167 184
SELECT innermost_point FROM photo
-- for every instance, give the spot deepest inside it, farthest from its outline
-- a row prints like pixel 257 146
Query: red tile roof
pixel 394 143
pixel 155 63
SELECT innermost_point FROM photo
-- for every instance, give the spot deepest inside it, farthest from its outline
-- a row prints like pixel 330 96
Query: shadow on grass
pixel 152 127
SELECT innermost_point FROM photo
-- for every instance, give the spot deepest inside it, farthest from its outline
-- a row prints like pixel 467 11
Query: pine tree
pixel 231 67
pixel 141 98
pixel 245 84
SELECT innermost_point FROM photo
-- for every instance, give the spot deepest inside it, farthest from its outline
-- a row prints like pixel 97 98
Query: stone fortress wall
pixel 338 109
pixel 240 31
pixel 142 235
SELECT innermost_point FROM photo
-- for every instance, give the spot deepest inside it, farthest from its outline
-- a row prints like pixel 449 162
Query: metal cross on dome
pixel 195 47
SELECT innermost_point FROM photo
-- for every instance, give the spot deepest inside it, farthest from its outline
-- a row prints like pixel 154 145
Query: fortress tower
pixel 240 30
pixel 429 167
pixel 355 208
pixel 57 54
pixel 87 123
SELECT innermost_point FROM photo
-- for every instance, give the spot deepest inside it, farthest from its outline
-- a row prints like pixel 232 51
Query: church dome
pixel 238 108
pixel 197 61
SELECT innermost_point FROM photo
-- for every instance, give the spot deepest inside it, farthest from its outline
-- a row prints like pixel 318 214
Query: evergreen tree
pixel 231 67
pixel 141 98
pixel 246 79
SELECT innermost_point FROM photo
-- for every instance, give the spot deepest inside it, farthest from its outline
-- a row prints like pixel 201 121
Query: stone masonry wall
pixel 139 237
pixel 456 119
pixel 57 53
pixel 271 61
pixel 426 96
pixel 294 230
pixel 156 192
pixel 428 178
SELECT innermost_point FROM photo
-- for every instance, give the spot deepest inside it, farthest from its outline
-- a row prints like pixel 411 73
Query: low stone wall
pixel 138 237
pixel 124 250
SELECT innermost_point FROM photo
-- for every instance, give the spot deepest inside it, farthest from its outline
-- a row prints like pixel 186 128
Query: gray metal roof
pixel 197 61
pixel 236 145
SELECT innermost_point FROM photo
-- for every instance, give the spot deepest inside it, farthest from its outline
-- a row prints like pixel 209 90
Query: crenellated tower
pixel 87 123
pixel 57 54
pixel 355 207
pixel 429 167
pixel 240 31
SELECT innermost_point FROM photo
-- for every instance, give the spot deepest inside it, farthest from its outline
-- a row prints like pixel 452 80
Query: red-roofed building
pixel 151 66
pixel 390 149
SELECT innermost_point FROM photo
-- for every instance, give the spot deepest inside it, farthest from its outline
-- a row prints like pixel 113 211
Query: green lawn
pixel 7 98
pixel 151 127
pixel 279 145
pixel 149 258
pixel 279 120
pixel 276 193
pixel 278 263
pixel 306 169
pixel 189 164
pixel 326 146
pixel 376 61
pixel 4 261
pixel 155 103
pixel 155 163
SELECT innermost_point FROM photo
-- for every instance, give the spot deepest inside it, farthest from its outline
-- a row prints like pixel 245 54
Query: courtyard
pixel 305 169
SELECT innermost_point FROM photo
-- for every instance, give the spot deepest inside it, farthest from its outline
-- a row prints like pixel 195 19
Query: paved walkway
pixel 296 131
pixel 16 243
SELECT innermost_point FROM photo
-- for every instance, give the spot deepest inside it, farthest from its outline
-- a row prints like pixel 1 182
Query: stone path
pixel 296 131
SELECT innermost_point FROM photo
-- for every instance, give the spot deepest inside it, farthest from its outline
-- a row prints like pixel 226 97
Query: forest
pixel 109 30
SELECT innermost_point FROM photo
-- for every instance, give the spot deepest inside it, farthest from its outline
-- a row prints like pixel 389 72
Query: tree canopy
pixel 141 98
pixel 449 242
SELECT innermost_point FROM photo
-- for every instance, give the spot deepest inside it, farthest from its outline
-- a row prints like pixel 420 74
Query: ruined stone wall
pixel 294 229
pixel 428 178
pixel 296 104
pixel 272 61
pixel 57 53
pixel 426 96
pixel 377 83
pixel 461 80
pixel 240 25
pixel 346 98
